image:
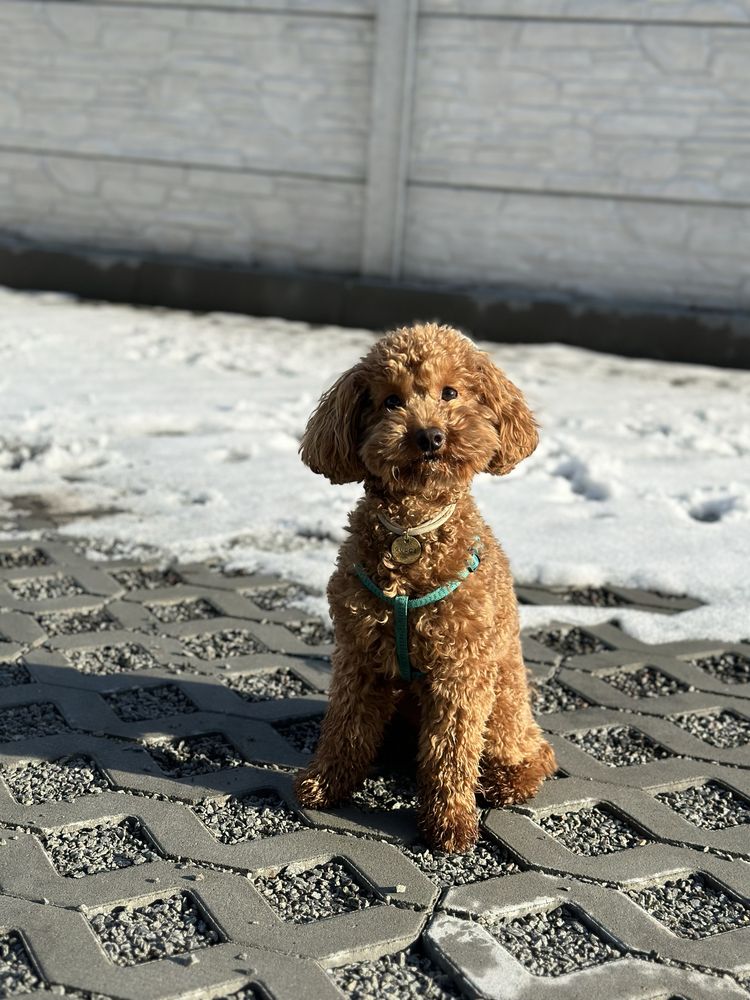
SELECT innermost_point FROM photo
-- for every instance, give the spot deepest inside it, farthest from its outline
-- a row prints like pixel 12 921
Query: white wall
pixel 569 145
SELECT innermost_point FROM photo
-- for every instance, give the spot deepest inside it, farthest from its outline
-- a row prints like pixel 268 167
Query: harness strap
pixel 401 604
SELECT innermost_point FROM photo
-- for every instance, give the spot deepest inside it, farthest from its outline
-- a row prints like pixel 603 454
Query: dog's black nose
pixel 430 439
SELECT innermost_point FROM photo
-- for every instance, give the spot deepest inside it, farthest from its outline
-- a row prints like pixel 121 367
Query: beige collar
pixel 419 529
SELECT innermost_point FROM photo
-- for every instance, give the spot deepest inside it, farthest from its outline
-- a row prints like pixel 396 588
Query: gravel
pixel 407 975
pixel 710 806
pixel 311 632
pixel 248 817
pixel 139 704
pixel 105 848
pixel 386 793
pixel 730 668
pixel 62 780
pixel 268 686
pixel 249 992
pixel 314 894
pixel 598 597
pixel 592 832
pixel 570 642
pixel 43 588
pixel 647 682
pixel 165 927
pixel 14 673
pixel 278 596
pixel 111 659
pixel 485 860
pixel 183 611
pixel 24 722
pixel 74 622
pixel 190 755
pixel 303 734
pixel 554 696
pixel 552 943
pixel 23 558
pixel 619 746
pixel 147 579
pixel 221 645
pixel 725 729
pixel 693 906
pixel 17 972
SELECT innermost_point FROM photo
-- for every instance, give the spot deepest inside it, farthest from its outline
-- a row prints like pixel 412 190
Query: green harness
pixel 401 606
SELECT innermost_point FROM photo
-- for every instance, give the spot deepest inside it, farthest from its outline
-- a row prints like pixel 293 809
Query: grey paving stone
pixel 164 807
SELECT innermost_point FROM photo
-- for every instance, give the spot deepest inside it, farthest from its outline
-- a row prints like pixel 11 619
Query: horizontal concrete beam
pixel 494 313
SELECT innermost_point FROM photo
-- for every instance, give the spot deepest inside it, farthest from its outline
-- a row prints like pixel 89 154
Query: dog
pixel 416 419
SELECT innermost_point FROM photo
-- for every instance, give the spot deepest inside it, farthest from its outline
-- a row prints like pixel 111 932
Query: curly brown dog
pixel 416 419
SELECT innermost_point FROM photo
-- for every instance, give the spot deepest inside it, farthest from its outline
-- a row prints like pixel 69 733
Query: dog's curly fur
pixel 476 730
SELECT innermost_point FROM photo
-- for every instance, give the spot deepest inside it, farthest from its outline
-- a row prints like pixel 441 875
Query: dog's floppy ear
pixel 331 439
pixel 514 421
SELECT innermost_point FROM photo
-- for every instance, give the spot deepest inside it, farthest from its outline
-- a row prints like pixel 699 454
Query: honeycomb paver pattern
pixel 152 719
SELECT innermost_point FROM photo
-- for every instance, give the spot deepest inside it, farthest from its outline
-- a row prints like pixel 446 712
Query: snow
pixel 188 426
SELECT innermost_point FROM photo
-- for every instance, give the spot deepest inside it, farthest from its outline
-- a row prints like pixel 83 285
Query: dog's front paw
pixel 316 791
pixel 512 784
pixel 454 832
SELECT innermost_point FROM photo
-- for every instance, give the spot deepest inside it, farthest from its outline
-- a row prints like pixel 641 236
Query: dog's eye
pixel 448 393
pixel 393 402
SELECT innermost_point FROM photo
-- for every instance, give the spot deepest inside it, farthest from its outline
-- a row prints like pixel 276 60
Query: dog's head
pixel 424 408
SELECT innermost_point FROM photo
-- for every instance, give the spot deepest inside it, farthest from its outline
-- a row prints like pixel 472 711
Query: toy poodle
pixel 424 613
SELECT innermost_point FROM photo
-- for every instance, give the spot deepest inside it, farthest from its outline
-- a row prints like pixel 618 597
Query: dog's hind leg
pixel 516 757
pixel 360 706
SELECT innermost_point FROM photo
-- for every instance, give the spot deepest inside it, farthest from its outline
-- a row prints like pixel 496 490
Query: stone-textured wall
pixel 567 145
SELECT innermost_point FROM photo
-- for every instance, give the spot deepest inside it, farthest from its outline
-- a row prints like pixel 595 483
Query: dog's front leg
pixel 358 711
pixel 450 746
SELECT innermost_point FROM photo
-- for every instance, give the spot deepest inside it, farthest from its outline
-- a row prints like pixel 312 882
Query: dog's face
pixel 423 409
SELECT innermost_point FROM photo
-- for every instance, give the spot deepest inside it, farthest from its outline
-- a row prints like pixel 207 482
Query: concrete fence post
pixel 390 124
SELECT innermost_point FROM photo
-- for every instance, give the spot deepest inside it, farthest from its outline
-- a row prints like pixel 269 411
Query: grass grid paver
pixel 172 926
pixel 711 806
pixel 248 817
pixel 317 893
pixel 114 659
pixel 17 972
pixel 592 832
pixel 147 805
pixel 54 781
pixel 554 942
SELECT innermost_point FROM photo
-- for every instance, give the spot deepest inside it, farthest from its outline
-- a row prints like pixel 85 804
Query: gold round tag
pixel 406 549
